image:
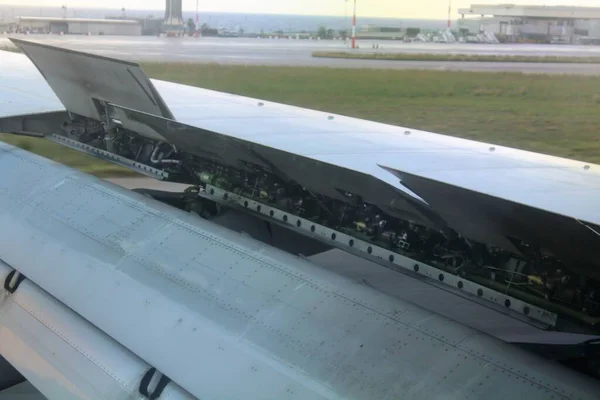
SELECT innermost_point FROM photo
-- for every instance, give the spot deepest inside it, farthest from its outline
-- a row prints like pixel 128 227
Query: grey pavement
pixel 286 52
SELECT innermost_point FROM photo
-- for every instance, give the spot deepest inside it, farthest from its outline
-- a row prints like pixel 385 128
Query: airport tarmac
pixel 253 51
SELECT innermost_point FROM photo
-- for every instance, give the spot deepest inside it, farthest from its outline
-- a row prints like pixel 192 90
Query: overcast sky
pixel 437 9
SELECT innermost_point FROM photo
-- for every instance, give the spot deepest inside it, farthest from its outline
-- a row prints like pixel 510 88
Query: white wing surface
pixel 156 285
pixel 204 304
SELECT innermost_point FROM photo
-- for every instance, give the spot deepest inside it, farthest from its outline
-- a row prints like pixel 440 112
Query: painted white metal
pixel 558 185
pixel 227 317
pixel 63 355
pixel 513 10
pixel 82 81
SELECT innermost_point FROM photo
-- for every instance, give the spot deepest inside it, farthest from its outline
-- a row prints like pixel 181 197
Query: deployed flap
pixel 494 220
pixel 80 80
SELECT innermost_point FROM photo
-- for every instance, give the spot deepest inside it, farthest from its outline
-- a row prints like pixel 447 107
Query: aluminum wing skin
pixel 550 214
pixel 83 82
pixel 552 184
pixel 560 193
pixel 340 157
pixel 61 354
pixel 202 303
pixel 325 178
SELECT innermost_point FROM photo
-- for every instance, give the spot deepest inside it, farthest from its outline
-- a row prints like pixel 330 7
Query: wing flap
pixel 81 80
pixel 320 177
pixel 62 354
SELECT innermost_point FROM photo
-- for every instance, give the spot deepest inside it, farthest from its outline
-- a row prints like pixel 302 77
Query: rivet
pixel 460 284
pixel 586 167
pixel 492 148
pixel 407 132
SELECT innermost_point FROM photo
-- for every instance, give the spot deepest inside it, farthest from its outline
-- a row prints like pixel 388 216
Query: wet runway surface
pixel 249 51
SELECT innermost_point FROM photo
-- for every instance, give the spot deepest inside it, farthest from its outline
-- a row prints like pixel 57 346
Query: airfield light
pixel 354 26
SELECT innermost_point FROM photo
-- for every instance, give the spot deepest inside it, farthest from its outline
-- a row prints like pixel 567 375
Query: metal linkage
pixel 387 258
pixel 110 157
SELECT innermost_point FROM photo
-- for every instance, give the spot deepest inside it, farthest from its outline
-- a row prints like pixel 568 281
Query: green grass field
pixel 11 48
pixel 456 57
pixel 557 115
pixel 552 114
pixel 65 155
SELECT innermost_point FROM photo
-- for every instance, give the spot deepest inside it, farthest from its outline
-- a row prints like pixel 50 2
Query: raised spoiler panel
pixel 492 219
pixel 317 176
pixel 78 78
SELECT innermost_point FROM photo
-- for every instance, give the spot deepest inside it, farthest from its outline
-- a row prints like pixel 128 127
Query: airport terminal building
pixel 556 24
pixel 81 26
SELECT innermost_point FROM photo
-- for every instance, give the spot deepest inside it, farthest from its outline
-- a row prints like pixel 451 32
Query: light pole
pixel 196 15
pixel 354 26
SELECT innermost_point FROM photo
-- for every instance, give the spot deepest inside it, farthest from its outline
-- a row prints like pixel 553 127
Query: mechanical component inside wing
pixel 531 275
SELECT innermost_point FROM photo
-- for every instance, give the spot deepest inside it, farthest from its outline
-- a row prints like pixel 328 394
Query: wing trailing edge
pixel 84 82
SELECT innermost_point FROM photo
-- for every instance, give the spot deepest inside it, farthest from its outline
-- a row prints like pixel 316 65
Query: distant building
pixel 559 24
pixel 150 26
pixel 380 32
pixel 8 26
pixel 79 26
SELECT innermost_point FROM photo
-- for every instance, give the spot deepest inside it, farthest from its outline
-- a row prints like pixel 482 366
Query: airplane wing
pixel 201 303
pixel 511 231
pixel 553 212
